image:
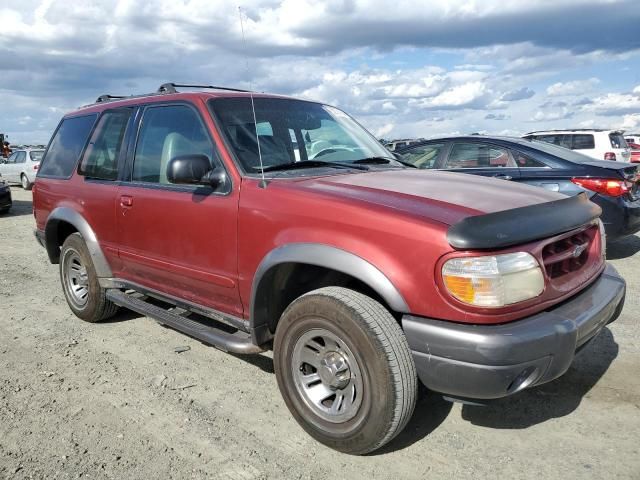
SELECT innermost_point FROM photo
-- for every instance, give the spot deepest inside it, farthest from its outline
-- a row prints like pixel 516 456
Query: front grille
pixel 569 254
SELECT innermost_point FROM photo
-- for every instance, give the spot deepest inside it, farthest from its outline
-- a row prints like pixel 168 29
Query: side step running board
pixel 238 342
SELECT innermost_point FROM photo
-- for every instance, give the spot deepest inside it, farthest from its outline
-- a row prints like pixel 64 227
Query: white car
pixel 21 167
pixel 598 144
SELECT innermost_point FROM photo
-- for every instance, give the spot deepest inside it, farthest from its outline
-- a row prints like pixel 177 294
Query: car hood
pixel 445 197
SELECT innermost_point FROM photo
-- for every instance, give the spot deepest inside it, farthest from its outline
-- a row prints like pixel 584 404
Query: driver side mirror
pixel 196 170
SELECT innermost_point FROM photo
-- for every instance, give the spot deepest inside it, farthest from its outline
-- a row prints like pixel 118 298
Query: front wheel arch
pixel 346 265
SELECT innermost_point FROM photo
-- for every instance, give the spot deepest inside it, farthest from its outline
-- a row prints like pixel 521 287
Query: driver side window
pixel 167 132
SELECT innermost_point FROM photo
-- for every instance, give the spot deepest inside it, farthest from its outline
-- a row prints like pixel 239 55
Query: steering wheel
pixel 327 151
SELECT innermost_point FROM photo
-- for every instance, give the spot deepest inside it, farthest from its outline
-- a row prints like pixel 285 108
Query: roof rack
pixel 165 88
pixel 171 87
pixel 107 98
pixel 570 130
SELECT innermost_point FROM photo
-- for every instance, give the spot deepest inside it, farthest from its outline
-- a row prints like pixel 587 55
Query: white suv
pixel 598 144
pixel 21 166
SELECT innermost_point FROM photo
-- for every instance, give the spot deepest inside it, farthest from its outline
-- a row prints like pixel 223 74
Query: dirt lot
pixel 114 400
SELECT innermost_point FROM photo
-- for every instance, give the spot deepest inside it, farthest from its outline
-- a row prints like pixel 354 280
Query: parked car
pixel 632 138
pixel 611 185
pixel 361 274
pixel 635 152
pixel 21 167
pixel 598 144
pixel 5 197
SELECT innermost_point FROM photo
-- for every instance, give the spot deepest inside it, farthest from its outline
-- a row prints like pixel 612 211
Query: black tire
pixel 368 333
pixel 25 183
pixel 94 307
pixel 4 210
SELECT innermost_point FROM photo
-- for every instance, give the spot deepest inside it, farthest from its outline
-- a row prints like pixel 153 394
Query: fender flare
pixel 68 215
pixel 324 256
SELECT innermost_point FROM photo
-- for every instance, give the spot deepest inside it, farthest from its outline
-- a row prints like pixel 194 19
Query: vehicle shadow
pixel 552 400
pixel 624 248
pixel 19 208
pixel 259 360
pixel 123 315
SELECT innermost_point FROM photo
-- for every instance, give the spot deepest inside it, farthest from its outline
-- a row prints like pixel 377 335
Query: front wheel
pixel 345 369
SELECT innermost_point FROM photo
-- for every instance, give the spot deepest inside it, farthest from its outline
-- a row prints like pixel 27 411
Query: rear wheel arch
pixel 282 276
pixel 64 221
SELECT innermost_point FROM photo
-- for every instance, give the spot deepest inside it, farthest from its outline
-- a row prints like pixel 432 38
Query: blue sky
pixel 402 68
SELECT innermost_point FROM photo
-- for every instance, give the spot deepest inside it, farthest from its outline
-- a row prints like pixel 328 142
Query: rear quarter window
pixel 66 146
pixel 583 142
pixel 617 140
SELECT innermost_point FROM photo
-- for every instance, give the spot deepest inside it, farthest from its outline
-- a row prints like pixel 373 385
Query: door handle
pixel 503 176
pixel 126 201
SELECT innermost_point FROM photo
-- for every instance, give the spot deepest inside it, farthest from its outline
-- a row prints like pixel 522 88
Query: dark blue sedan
pixel 612 185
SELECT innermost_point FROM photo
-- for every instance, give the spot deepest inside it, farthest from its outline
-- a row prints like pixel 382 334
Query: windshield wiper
pixel 382 161
pixel 312 164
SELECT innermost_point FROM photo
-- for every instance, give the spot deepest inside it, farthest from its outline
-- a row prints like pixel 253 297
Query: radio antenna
pixel 263 183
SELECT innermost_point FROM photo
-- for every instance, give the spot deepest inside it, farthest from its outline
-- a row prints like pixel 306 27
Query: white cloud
pixel 614 104
pixel 631 122
pixel 576 87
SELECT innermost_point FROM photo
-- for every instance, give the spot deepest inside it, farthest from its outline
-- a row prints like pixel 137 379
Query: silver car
pixel 21 166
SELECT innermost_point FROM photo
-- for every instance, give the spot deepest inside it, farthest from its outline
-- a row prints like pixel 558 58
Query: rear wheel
pixel 86 298
pixel 24 181
pixel 345 369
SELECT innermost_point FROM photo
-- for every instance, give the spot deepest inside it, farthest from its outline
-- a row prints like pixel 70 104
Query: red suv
pixel 253 222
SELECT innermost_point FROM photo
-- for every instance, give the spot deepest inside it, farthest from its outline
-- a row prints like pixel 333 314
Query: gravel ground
pixel 115 400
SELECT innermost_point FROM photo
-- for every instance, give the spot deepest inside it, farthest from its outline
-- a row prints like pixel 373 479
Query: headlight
pixel 493 281
pixel 603 238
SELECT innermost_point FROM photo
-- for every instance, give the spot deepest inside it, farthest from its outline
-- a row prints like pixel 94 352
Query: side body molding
pixel 68 215
pixel 323 256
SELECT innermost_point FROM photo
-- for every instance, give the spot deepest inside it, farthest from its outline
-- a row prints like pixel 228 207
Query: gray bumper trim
pixel 478 361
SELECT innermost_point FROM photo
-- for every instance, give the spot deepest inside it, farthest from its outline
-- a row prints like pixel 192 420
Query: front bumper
pixel 493 361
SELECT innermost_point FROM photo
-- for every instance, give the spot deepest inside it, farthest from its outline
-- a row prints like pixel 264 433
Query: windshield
pixel 292 131
pixel 36 155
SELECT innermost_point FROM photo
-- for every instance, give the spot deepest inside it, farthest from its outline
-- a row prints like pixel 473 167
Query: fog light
pixel 523 380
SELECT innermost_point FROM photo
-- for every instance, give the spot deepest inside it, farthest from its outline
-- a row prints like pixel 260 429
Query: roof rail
pixel 571 130
pixel 107 98
pixel 171 87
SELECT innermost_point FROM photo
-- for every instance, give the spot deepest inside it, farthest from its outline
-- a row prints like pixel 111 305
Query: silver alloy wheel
pixel 75 278
pixel 327 376
pixel 25 182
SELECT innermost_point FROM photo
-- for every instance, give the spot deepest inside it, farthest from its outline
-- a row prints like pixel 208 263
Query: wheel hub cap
pixel 327 376
pixel 76 279
pixel 334 370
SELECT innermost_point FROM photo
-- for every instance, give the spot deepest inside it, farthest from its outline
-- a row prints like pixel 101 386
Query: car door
pixel 5 166
pixel 17 169
pixel 180 240
pixel 13 166
pixel 480 158
pixel 97 190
